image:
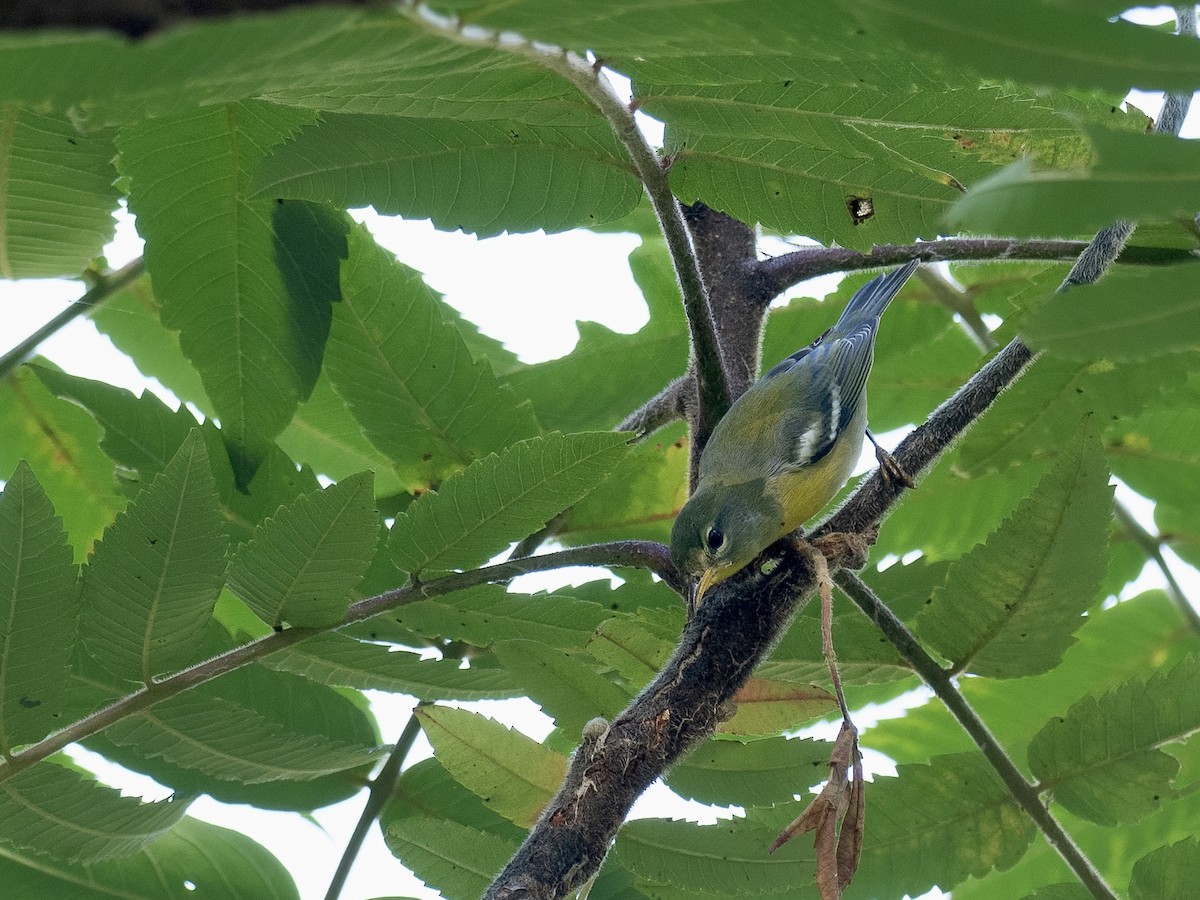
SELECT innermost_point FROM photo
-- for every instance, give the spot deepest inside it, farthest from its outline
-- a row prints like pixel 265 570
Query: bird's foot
pixel 889 468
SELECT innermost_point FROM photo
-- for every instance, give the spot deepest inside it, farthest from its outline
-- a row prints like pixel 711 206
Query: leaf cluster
pixel 345 436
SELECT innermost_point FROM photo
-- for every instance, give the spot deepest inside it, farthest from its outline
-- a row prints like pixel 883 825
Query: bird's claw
pixel 893 473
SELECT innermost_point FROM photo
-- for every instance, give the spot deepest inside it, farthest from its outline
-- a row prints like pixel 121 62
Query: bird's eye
pixel 715 539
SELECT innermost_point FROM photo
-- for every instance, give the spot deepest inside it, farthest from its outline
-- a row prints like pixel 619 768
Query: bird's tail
pixel 872 298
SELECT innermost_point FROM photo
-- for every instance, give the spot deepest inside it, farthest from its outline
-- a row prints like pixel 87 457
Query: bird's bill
pixel 707 580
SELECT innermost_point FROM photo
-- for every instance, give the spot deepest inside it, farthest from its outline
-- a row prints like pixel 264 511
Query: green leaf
pixel 224 740
pixel 639 500
pixel 1050 44
pixel 513 774
pixel 1064 891
pixel 1169 873
pixel 1026 422
pixel 1135 176
pixel 864 657
pixel 937 824
pixel 758 773
pixel 150 586
pixel 728 859
pixel 302 563
pixel 58 811
pixel 193 859
pixel 372 61
pixel 1158 455
pixel 61 444
pixel 140 433
pixel 636 648
pixel 130 319
pixel 480 177
pixel 427 791
pixel 1114 645
pixel 500 499
pixel 295 711
pixel 224 266
pixel 794 141
pixel 56 195
pixel 457 860
pixel 1103 761
pixel 769 707
pixel 335 660
pixel 1131 315
pixel 38 611
pixel 324 434
pixel 484 615
pixel 407 375
pixel 1011 606
pixel 1114 851
pixel 564 683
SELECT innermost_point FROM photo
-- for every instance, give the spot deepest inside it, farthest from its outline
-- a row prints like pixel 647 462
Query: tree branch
pixel 636 554
pixel 106 284
pixel 739 622
pixel 382 789
pixel 778 274
pixel 942 685
pixel 790 269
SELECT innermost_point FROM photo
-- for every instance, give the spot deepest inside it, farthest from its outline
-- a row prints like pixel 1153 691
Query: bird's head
pixel 720 530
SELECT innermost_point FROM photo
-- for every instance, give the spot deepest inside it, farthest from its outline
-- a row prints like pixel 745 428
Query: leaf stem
pixel 1152 548
pixel 638 554
pixel 107 284
pixel 942 685
pixel 382 789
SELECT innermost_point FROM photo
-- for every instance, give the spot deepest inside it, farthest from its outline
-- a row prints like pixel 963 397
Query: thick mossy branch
pixel 722 644
pixel 738 624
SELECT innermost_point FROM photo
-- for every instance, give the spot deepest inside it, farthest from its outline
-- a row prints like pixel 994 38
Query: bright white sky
pixel 558 279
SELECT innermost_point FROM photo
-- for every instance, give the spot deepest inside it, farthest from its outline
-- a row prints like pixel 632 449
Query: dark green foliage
pixel 347 435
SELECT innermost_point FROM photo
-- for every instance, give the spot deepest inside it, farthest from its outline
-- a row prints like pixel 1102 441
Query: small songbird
pixel 785 448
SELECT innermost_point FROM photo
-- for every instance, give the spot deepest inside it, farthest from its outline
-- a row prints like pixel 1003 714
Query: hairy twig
pixel 942 685
pixel 1108 243
pixel 106 284
pixel 637 554
pixel 790 269
pixel 382 788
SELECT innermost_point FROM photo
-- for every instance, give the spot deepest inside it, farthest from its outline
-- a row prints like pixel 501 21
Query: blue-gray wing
pixel 828 381
pixel 828 377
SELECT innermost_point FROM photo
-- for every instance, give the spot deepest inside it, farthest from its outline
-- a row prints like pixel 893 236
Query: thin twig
pixel 107 284
pixel 939 681
pixel 637 554
pixel 382 789
pixel 590 81
pixel 1152 548
pixel 961 305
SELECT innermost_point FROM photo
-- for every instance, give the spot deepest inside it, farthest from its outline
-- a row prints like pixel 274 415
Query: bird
pixel 785 447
